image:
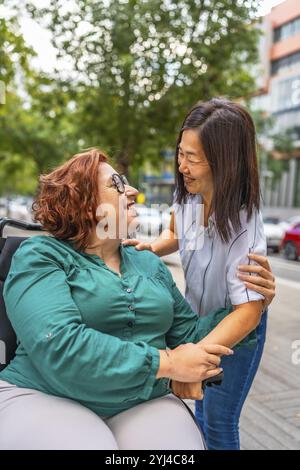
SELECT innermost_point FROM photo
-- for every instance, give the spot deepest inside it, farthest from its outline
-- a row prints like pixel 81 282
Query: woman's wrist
pixel 153 248
pixel 165 244
pixel 165 364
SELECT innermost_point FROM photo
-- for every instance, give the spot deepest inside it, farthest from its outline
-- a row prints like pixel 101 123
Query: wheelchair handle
pixel 216 380
pixel 18 224
pixel 212 381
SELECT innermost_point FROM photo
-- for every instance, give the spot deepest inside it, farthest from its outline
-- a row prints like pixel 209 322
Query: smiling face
pixel 115 208
pixel 193 165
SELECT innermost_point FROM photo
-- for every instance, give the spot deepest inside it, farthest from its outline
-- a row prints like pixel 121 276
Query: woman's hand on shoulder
pixel 139 245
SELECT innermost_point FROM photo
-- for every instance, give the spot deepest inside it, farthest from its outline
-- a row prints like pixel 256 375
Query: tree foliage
pixel 138 65
pixel 36 131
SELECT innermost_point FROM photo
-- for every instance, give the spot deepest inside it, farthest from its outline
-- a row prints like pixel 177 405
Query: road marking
pixel 287 283
pixel 285 265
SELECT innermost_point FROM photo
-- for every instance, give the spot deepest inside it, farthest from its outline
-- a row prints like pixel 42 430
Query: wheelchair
pixel 8 246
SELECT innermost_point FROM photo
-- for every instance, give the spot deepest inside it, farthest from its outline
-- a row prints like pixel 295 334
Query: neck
pixel 105 249
pixel 207 200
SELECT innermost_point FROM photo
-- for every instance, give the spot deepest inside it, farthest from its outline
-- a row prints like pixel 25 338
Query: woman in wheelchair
pixel 101 327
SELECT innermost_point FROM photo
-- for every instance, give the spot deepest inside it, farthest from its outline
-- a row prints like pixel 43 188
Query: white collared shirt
pixel 210 265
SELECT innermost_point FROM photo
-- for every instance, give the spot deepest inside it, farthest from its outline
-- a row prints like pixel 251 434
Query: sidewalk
pixel 271 415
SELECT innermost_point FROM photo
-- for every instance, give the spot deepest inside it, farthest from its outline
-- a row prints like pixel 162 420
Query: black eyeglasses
pixel 119 182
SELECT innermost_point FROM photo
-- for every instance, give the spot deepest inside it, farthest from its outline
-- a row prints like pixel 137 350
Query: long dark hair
pixel 227 134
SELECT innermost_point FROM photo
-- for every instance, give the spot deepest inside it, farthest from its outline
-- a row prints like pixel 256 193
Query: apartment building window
pixel 285 95
pixel 286 63
pixel 297 132
pixel 286 30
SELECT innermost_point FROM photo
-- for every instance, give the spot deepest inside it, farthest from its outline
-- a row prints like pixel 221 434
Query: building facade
pixel 279 95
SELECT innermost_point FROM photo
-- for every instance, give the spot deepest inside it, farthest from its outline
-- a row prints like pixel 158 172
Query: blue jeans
pixel 219 412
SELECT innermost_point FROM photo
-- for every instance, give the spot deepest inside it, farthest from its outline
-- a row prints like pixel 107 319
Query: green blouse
pixel 87 333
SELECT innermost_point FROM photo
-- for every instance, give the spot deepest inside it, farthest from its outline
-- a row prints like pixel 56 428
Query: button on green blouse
pixel 87 333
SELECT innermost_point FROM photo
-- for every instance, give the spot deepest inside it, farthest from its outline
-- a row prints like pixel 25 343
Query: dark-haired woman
pixel 217 227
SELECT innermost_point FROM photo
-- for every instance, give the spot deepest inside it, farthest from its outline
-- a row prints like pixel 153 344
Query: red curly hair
pixel 68 198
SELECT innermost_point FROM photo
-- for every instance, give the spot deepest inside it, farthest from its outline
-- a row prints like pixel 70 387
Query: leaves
pixel 137 67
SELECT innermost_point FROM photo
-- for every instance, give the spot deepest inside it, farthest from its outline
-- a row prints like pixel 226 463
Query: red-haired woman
pixel 94 320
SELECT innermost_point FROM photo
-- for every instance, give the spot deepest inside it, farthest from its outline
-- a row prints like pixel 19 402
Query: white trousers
pixel 30 419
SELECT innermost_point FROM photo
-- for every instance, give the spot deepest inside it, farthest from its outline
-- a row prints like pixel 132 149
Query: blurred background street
pixel 74 75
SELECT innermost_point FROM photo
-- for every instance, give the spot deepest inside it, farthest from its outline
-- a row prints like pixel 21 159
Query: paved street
pixel 285 270
pixel 271 416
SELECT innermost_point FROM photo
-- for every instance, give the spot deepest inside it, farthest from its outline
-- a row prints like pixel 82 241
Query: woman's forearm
pixel 237 325
pixel 166 244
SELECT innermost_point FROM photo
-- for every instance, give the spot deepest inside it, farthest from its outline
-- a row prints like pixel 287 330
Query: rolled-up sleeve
pixel 76 361
pixel 250 240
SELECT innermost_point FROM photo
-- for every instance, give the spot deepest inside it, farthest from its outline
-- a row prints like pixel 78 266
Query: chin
pixel 193 189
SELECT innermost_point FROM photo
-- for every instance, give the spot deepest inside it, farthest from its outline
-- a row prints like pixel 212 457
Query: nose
pixel 130 191
pixel 182 168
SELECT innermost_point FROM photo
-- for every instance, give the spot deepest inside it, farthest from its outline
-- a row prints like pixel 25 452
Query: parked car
pixel 19 207
pixel 290 222
pixel 3 207
pixel 274 232
pixel 291 243
pixel 150 221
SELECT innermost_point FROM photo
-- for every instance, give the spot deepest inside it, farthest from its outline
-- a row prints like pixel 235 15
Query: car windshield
pixel 271 220
pixel 294 220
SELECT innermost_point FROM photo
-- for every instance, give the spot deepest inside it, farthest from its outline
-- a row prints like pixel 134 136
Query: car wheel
pixel 290 251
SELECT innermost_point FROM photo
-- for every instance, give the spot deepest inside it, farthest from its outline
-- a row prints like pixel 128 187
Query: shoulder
pixel 143 257
pixel 252 225
pixel 251 232
pixel 191 200
pixel 35 257
pixel 40 248
pixel 41 243
pixel 187 213
pixel 147 262
pixel 254 220
pixel 248 224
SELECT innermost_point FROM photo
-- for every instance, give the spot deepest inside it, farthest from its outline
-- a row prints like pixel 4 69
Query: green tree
pixel 274 148
pixel 139 65
pixel 14 53
pixel 36 130
pixel 15 171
